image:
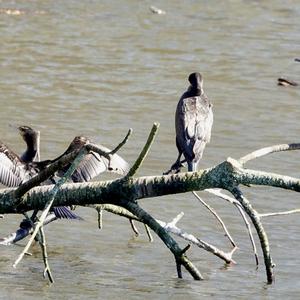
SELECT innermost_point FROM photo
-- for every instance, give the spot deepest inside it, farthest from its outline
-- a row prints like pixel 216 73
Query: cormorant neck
pixel 32 151
pixel 195 91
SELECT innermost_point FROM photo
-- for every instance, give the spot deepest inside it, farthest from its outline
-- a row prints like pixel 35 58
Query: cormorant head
pixel 27 133
pixel 196 81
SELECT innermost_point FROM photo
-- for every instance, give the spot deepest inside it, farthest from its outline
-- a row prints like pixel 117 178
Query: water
pixel 100 67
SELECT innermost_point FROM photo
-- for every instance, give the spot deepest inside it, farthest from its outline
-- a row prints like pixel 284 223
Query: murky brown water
pixel 100 67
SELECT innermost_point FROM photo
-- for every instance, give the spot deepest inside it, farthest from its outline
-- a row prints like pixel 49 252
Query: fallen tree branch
pixel 227 175
pixel 223 175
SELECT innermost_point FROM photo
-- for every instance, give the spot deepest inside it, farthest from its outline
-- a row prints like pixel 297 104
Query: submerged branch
pixel 254 216
pixel 178 253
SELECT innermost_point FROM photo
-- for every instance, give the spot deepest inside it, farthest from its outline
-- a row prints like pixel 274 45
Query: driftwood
pixel 121 196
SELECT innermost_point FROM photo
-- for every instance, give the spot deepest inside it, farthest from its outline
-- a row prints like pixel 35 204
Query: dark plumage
pixel 193 123
pixel 32 139
pixel 14 170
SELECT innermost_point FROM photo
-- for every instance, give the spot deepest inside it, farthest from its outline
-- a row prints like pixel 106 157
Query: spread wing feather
pixel 12 170
pixel 93 164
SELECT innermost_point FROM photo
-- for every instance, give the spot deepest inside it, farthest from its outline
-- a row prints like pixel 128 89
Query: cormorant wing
pixel 12 170
pixel 93 164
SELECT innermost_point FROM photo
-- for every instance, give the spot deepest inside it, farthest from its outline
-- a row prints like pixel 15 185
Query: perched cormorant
pixel 15 170
pixel 193 123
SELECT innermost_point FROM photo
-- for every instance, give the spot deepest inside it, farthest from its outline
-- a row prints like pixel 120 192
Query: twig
pixel 148 233
pixel 144 152
pixel 217 217
pixel 248 226
pixel 133 227
pixel 280 213
pixel 100 213
pixel 171 227
pixel 254 216
pixel 48 205
pixel 236 203
pixel 268 150
pixel 45 255
pixel 218 193
pixel 122 143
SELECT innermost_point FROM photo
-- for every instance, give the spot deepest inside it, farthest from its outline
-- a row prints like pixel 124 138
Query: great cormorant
pixel 15 170
pixel 193 123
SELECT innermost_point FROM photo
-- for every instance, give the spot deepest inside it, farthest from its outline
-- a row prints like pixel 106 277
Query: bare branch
pixel 122 143
pixel 268 150
pixel 248 226
pixel 171 227
pixel 45 255
pixel 217 217
pixel 148 233
pixel 236 203
pixel 144 152
pixel 280 213
pixel 100 215
pixel 165 237
pixel 133 227
pixel 254 216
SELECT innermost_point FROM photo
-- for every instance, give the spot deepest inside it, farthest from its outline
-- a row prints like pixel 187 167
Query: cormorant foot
pixel 175 168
